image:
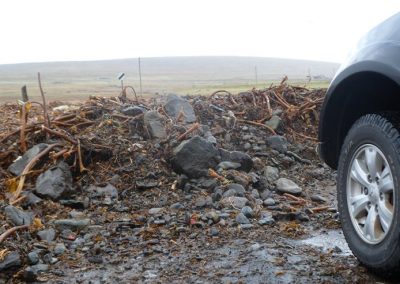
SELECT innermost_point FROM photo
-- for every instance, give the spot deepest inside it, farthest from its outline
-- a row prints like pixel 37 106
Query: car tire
pixel 368 184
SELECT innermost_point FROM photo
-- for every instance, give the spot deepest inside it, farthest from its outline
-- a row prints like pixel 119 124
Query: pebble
pixel 234 201
pixel 33 257
pixel 247 146
pixel 155 211
pixel 271 173
pixel 214 232
pixel 18 217
pixel 269 202
pixel 242 219
pixel 318 198
pixel 47 235
pixel 248 211
pixel 32 272
pixel 284 185
pixel 177 206
pixel 72 224
pixel 12 259
pixel 59 249
pixel 246 226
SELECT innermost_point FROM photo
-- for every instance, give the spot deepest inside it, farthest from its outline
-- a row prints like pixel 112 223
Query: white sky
pixel 58 30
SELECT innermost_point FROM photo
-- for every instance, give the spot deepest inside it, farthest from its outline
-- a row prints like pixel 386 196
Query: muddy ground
pixel 218 189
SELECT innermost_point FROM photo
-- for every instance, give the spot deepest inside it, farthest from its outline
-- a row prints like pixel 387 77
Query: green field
pixel 70 81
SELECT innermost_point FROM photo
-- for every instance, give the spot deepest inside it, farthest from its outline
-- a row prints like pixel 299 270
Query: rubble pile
pixel 109 180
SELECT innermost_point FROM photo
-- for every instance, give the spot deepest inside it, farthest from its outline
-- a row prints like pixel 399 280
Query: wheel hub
pixel 370 194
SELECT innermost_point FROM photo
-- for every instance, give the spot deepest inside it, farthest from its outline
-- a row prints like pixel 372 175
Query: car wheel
pixel 368 191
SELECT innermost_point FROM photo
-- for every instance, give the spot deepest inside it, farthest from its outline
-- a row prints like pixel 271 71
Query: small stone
pixel 54 183
pixel 245 161
pixel 242 219
pixel 238 188
pixel 269 202
pixel 265 194
pixel 200 202
pixel 19 165
pixel 154 211
pixel 271 173
pixel 12 259
pixel 95 259
pixel 255 194
pixel 318 198
pixel 17 216
pixel 246 226
pixel 303 217
pixel 214 216
pixel 278 143
pixel 59 249
pixel 133 110
pixel 284 185
pixel 32 272
pixel 47 235
pixel 154 122
pixel 159 222
pixel 248 211
pixel 214 232
pixel 247 146
pixel 176 105
pixel 274 122
pixel 228 165
pixel 234 201
pixel 72 224
pixel 255 247
pixel 49 259
pixel 177 206
pixel 266 218
pixel 229 193
pixel 33 257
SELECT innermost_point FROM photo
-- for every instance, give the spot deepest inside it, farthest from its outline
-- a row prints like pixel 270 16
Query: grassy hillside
pixel 186 75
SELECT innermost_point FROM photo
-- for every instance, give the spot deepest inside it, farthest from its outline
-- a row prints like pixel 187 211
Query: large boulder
pixel 194 157
pixel 55 183
pixel 176 104
pixel 19 165
pixel 155 124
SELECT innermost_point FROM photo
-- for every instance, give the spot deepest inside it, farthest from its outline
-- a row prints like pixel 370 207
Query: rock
pixel 269 202
pixel 71 224
pixel 32 272
pixel 133 110
pixel 264 194
pixel 278 143
pixel 271 173
pixel 247 146
pixel 214 232
pixel 155 124
pixel 194 157
pixel 47 235
pixel 55 183
pixel 255 194
pixel 255 247
pixel 209 183
pixel 31 199
pixel 238 188
pixel 318 198
pixel 95 259
pixel 245 161
pixel 303 217
pixel 146 184
pixel 246 226
pixel 19 165
pixel 107 191
pixel 12 259
pixel 200 202
pixel 248 211
pixel 155 211
pixel 59 249
pixel 274 122
pixel 229 193
pixel 217 194
pixel 175 105
pixel 214 216
pixel 284 185
pixel 33 257
pixel 17 216
pixel 242 219
pixel 80 203
pixel 228 165
pixel 234 201
pixel 177 206
pixel 266 218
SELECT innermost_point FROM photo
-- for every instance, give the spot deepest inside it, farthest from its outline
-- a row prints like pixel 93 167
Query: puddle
pixel 329 240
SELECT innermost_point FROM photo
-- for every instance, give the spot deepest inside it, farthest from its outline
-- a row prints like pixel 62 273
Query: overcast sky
pixel 58 30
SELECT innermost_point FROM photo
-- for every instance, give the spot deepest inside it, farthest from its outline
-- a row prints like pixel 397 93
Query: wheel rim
pixel 370 194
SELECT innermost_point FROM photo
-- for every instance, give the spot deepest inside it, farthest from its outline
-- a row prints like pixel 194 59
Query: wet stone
pixel 47 235
pixel 19 165
pixel 33 257
pixel 155 124
pixel 269 202
pixel 284 185
pixel 248 211
pixel 11 260
pixel 55 182
pixel 17 216
pixel 32 272
pixel 72 224
pixel 242 219
pixel 234 201
pixel 278 143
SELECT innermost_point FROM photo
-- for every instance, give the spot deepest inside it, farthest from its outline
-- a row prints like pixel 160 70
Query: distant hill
pixel 164 74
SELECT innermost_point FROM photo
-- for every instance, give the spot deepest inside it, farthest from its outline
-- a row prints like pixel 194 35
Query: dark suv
pixel 359 135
